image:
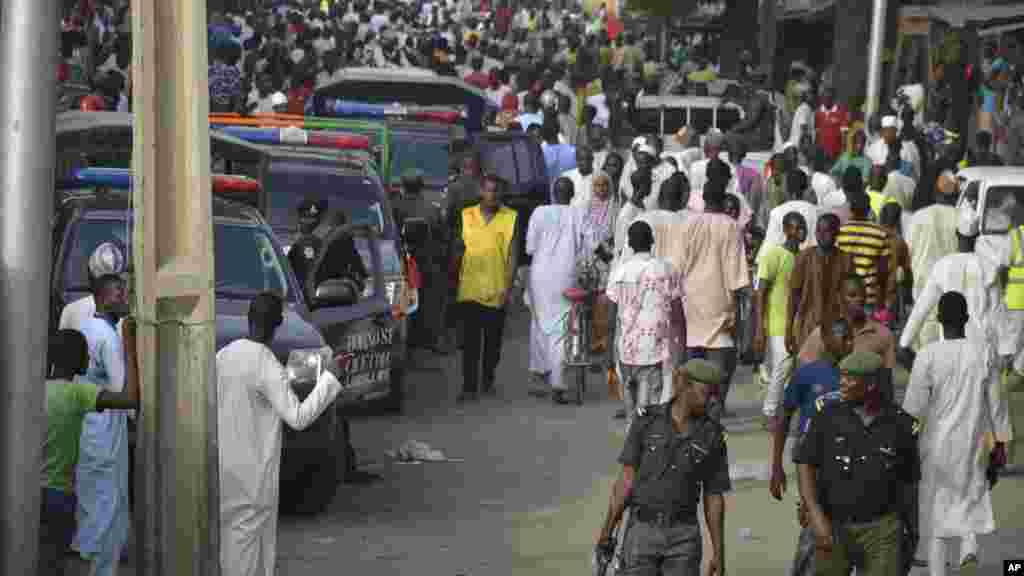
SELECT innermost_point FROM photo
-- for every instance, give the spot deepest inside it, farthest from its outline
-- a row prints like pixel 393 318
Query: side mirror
pixel 336 292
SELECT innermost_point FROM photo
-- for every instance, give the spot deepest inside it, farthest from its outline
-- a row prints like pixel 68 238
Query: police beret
pixel 861 363
pixel 703 371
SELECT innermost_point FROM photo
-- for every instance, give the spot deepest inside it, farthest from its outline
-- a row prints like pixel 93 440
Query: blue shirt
pixel 558 158
pixel 812 387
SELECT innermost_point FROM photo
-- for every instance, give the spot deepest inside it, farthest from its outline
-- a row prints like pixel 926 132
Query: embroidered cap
pixel 108 258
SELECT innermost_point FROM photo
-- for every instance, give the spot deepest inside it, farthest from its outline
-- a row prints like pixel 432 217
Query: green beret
pixel 703 371
pixel 861 363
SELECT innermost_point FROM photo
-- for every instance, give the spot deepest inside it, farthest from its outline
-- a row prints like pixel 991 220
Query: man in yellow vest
pixel 1014 366
pixel 487 248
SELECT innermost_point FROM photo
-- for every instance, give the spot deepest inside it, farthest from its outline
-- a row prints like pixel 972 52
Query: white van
pixel 995 194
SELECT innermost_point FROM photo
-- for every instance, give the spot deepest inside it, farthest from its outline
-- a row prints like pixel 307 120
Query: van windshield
pixel 356 196
pixel 247 262
pixel 1004 209
pixel 409 151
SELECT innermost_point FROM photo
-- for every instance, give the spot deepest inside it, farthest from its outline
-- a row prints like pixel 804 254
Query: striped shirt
pixel 868 244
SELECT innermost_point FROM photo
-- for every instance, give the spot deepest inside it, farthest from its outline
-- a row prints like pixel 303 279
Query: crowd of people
pixel 842 258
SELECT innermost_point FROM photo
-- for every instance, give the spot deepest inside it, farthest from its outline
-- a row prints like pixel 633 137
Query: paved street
pixel 532 488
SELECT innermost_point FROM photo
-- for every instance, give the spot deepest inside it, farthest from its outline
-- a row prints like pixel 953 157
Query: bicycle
pixel 578 336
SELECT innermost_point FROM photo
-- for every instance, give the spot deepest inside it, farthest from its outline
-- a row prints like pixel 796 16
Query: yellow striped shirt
pixel 868 243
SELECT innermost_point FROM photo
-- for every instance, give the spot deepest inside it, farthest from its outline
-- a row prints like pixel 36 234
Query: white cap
pixel 638 141
pixel 297 55
pixel 278 99
pixel 108 258
pixel 890 122
pixel 647 149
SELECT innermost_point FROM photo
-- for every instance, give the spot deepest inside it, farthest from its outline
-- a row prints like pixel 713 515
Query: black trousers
pixel 482 328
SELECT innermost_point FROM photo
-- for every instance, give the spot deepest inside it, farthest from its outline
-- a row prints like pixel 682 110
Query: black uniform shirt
pixel 671 468
pixel 862 469
pixel 431 207
pixel 303 254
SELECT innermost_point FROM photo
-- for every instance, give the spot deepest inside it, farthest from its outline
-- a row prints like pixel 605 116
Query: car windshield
pixel 409 151
pixel 357 197
pixel 247 261
pixel 1004 209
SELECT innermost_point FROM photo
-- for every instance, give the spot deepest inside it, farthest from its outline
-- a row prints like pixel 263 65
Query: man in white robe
pixel 954 389
pixel 582 177
pixel 931 235
pixel 254 398
pixel 553 239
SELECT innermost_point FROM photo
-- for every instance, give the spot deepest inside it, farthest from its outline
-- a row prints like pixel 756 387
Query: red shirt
pixel 510 102
pixel 481 80
pixel 297 99
pixel 829 123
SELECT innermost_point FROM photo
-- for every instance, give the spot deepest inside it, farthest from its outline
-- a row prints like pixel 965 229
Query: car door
pixel 365 327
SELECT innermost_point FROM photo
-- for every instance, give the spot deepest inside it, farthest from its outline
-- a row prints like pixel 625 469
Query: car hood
pixel 294 334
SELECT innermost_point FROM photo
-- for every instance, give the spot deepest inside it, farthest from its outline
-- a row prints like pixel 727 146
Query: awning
pixel 804 9
pixel 958 14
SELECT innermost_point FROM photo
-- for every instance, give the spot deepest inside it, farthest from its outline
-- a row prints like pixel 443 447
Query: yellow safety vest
pixel 484 275
pixel 878 201
pixel 1015 275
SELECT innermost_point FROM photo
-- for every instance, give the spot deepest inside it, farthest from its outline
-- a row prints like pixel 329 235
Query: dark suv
pixel 249 260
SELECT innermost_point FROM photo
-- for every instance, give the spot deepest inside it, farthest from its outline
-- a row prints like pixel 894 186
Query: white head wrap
pixel 107 259
pixel 890 122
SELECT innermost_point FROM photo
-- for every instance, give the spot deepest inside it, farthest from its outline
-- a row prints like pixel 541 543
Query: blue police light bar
pixel 116 178
pixel 337 108
pixel 298 137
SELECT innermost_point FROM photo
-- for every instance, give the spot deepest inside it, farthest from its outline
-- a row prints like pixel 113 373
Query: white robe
pixel 954 389
pixel 963 273
pixel 553 239
pixel 930 236
pixel 254 397
pixel 582 187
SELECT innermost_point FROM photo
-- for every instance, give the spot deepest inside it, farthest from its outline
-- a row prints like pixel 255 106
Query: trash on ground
pixel 416 451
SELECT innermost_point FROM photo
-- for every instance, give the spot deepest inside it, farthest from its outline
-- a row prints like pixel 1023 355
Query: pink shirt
pixel 713 266
pixel 644 288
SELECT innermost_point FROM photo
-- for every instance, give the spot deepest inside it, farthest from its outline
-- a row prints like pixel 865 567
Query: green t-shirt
pixel 67 403
pixel 776 266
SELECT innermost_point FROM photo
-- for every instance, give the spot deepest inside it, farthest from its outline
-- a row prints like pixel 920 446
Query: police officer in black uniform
pixel 674 454
pixel 422 217
pixel 858 471
pixel 307 247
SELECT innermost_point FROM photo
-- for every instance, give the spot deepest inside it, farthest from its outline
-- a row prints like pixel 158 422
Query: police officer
pixel 307 247
pixel 674 452
pixel 858 470
pixel 427 243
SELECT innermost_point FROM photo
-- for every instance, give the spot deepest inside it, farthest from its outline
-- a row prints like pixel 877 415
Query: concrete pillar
pixel 176 517
pixel 28 58
pixel 875 48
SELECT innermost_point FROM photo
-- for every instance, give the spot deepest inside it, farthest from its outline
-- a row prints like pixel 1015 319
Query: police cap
pixel 861 363
pixel 312 208
pixel 704 372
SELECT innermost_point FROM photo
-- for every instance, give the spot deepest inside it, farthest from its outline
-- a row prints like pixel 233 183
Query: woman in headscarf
pixel 599 218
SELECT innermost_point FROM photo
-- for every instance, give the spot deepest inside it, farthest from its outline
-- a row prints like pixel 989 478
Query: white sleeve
pixel 532 234
pixel 923 306
pixel 998 406
pixel 919 390
pixel 275 388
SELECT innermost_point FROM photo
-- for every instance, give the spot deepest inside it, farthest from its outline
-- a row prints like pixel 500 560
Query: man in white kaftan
pixel 553 239
pixel 254 398
pixel 102 475
pixel 954 390
pixel 931 235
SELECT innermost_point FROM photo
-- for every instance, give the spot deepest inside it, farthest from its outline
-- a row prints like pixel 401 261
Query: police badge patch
pixel 309 253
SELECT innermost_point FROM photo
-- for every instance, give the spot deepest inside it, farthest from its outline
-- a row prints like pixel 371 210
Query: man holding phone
pixel 254 399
